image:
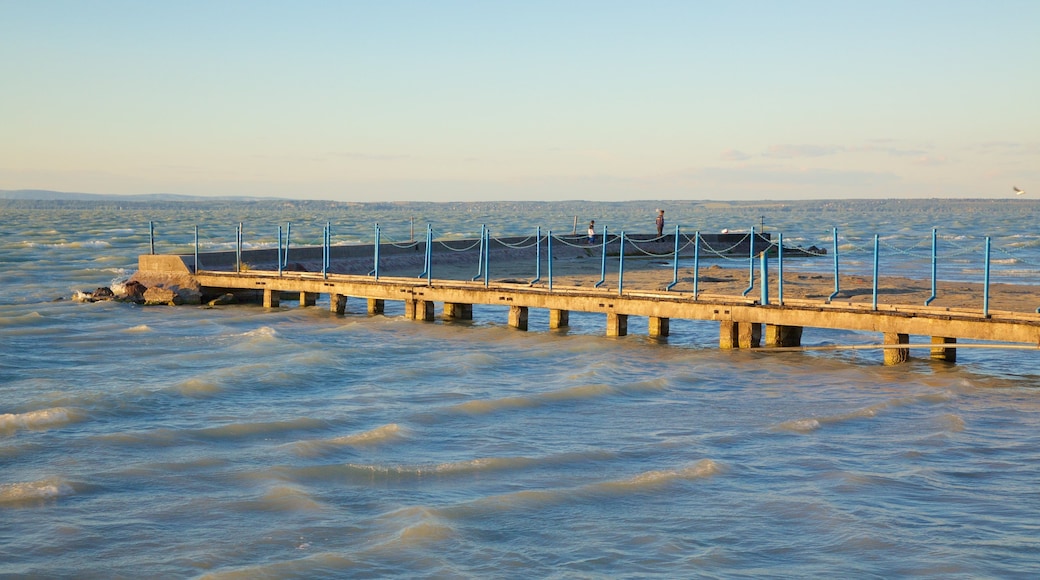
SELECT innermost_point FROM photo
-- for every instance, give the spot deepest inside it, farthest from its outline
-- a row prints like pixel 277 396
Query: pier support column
pixel 658 326
pixel 308 298
pixel 617 324
pixel 454 311
pixel 749 334
pixel 728 334
pixel 944 353
pixel 779 335
pixel 518 317
pixel 375 305
pixel 337 303
pixel 419 310
pixel 271 298
pixel 894 356
pixel 559 318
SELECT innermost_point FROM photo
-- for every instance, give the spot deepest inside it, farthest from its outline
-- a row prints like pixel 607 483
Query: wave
pixel 807 425
pixel 639 483
pixel 39 420
pixel 654 479
pixel 34 491
pixel 579 393
pixel 369 472
pixel 382 434
pixel 244 430
pixel 324 565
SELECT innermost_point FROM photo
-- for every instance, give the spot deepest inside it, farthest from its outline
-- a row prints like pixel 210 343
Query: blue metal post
pixel 603 261
pixel 375 263
pixel 480 253
pixel 238 248
pixel 751 264
pixel 874 303
pixel 196 248
pixel 548 255
pixel 430 254
pixel 288 230
pixel 621 265
pixel 985 294
pixel 151 237
pixel 837 287
pixel 675 262
pixel 328 245
pixel 932 297
pixel 537 255
pixel 279 250
pixel 696 261
pixel 487 255
pixel 780 268
pixel 325 252
pixel 764 259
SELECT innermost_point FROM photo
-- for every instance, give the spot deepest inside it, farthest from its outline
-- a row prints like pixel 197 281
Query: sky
pixel 443 100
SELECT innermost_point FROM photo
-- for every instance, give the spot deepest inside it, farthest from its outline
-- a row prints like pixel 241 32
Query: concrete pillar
pixel 271 298
pixel 779 335
pixel 375 305
pixel 658 326
pixel 420 309
pixel 617 324
pixel 947 354
pixel 456 311
pixel 337 303
pixel 308 298
pixel 728 334
pixel 749 334
pixel 559 318
pixel 518 317
pixel 894 356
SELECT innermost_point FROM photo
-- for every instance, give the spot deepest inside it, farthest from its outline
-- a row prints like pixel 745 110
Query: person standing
pixel 660 222
pixel 592 232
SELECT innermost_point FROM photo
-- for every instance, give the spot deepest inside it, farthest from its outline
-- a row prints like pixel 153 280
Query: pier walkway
pixel 744 322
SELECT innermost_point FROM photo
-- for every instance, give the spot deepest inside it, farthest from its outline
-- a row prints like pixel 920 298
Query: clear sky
pixel 440 100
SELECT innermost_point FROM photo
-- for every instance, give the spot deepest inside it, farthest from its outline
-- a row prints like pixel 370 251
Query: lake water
pixel 242 442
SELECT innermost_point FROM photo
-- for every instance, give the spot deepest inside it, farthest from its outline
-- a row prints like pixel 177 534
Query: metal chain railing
pixel 759 246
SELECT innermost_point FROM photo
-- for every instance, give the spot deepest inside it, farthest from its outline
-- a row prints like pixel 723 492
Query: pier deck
pixel 744 323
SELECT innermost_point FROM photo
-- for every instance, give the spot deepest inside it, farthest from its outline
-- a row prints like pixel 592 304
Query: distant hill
pixel 46 195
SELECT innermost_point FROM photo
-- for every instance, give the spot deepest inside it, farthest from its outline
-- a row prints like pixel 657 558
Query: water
pixel 243 442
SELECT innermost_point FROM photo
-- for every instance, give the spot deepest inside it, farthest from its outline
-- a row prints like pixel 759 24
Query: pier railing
pixel 933 257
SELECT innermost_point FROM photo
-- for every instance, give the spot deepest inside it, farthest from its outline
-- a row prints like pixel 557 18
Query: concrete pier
pixel 743 322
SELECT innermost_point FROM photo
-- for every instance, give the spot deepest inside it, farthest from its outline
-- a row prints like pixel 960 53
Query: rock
pixel 102 294
pixel 157 295
pixel 222 300
pixel 134 291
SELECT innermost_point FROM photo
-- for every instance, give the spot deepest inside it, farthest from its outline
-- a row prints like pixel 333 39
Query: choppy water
pixel 243 442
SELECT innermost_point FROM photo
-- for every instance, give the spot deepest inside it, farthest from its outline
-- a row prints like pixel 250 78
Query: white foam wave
pixel 139 328
pixel 38 420
pixel 34 491
pixel 799 425
pixel 262 332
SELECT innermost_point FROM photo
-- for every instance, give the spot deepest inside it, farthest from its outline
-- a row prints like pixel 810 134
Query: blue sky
pixel 494 100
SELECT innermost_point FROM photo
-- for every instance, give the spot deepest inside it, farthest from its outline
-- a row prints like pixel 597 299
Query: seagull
pixel 1017 190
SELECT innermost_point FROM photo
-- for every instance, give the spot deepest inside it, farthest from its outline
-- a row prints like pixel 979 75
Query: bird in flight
pixel 1017 190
